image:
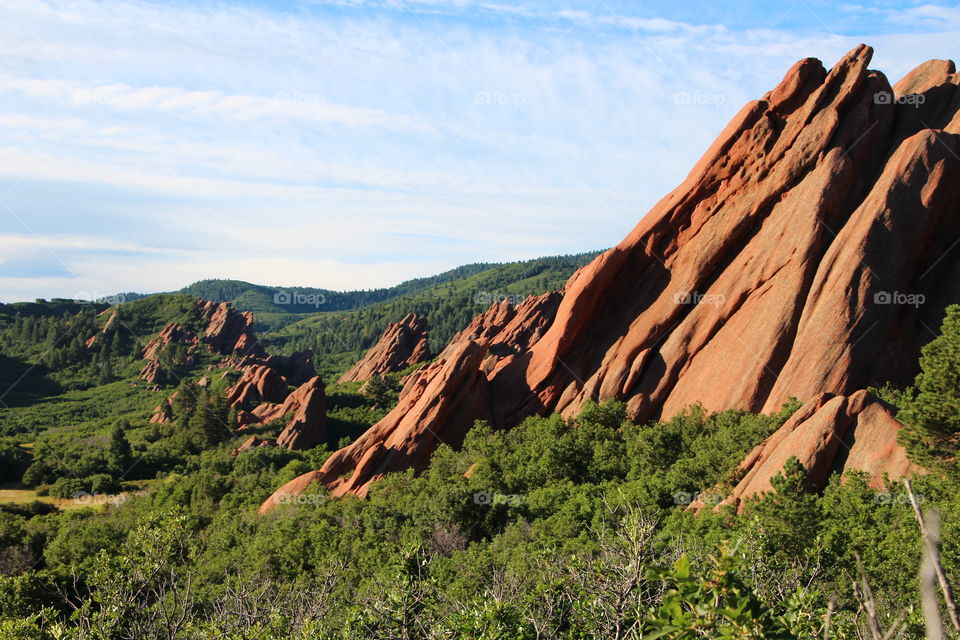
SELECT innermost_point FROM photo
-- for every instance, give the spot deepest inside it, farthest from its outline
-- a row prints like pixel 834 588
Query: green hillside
pixel 263 299
pixel 449 306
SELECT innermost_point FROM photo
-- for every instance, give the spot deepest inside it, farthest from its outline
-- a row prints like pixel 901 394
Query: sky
pixel 352 144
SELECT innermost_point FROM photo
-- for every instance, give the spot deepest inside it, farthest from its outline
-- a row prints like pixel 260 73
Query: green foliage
pixel 718 604
pixel 932 410
pixel 119 453
pixel 788 518
pixel 14 460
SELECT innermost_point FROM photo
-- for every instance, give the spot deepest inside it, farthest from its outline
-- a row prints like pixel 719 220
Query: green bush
pixel 69 488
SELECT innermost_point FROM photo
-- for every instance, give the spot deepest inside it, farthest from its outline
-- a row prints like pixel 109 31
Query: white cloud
pixel 207 104
pixel 368 135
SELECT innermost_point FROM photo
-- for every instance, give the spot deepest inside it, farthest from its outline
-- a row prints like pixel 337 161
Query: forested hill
pixel 263 299
pixel 449 305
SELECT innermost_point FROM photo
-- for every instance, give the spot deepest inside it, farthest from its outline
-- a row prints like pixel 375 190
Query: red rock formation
pixel 229 331
pixel 828 433
pixel 251 443
pixel 402 345
pixel 297 368
pixel 307 429
pixel 92 340
pixel 807 252
pixel 173 333
pixel 163 414
pixel 258 383
pixel 430 414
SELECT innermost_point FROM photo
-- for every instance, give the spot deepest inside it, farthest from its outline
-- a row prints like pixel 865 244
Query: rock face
pixel 829 433
pixel 431 413
pixel 807 252
pixel 308 424
pixel 261 393
pixel 307 429
pixel 172 334
pixel 402 345
pixel 229 331
pixel 251 443
pixel 258 383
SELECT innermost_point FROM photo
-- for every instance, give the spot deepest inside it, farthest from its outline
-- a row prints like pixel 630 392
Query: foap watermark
pixel 695 297
pixel 303 499
pixel 486 498
pixel 93 499
pixel 912 99
pixel 689 497
pixel 298 97
pixel 898 298
pixel 489 297
pixel 895 498
pixel 97 298
pixel 97 98
pixel 497 98
pixel 699 98
pixel 295 297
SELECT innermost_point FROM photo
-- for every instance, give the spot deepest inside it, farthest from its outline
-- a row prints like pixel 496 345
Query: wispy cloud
pixel 414 135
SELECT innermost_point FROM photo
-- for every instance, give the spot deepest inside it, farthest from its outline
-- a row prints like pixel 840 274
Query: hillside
pixel 278 306
pixel 448 306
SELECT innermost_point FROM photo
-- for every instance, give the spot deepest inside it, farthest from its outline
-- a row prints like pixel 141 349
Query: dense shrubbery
pixel 551 530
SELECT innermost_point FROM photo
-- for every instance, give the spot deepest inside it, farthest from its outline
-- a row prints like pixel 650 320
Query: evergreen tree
pixel 119 454
pixel 787 520
pixel 932 414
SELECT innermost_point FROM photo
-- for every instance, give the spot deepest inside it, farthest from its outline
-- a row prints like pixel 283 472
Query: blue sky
pixel 357 143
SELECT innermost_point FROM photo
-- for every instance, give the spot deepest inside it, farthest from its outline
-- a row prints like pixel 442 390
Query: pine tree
pixel 119 454
pixel 932 414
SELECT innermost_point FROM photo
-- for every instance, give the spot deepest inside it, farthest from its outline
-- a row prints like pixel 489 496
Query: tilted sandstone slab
pixel 829 433
pixel 308 427
pixel 440 409
pixel 257 383
pixel 403 344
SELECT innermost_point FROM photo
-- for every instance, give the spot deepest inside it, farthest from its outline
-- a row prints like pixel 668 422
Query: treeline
pixel 301 300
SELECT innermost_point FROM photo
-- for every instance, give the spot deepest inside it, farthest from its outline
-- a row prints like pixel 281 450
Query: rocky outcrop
pixel 307 429
pixel 808 252
pixel 258 383
pixel 107 326
pixel 173 334
pixel 829 433
pixel 229 331
pixel 402 345
pixel 163 414
pixel 297 368
pixel 251 443
pixel 306 407
pixel 430 414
